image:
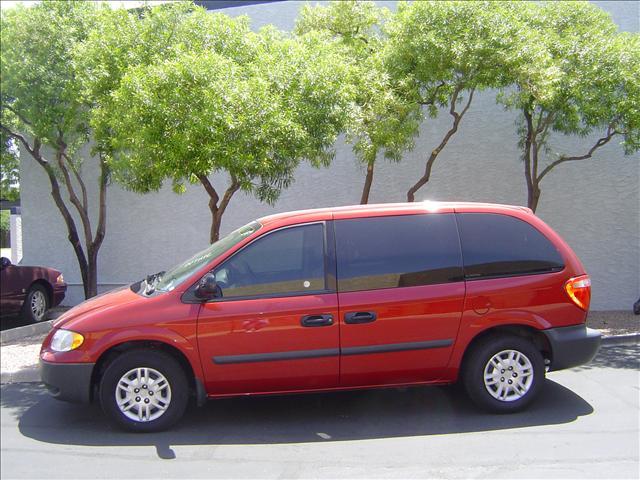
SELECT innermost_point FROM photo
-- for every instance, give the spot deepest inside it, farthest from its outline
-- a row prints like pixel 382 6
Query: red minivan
pixel 332 299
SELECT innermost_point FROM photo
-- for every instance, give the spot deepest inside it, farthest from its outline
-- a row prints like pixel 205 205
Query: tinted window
pixel 283 262
pixel 398 251
pixel 174 277
pixel 499 245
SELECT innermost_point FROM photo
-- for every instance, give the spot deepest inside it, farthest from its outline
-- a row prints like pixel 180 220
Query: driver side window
pixel 287 261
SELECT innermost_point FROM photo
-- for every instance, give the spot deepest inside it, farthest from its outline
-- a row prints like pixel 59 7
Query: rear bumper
pixel 70 382
pixel 572 346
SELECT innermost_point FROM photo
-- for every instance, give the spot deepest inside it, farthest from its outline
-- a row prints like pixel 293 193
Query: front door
pixel 401 292
pixel 276 326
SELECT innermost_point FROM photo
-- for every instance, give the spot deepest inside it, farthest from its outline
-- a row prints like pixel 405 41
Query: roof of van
pixel 380 209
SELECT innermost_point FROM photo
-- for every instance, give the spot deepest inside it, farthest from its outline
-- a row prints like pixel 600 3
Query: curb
pixel 628 339
pixel 19 333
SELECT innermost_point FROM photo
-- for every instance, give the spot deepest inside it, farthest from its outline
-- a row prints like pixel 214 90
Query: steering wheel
pixel 240 273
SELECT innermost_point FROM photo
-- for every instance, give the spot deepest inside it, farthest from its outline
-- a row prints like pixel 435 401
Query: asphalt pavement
pixel 585 425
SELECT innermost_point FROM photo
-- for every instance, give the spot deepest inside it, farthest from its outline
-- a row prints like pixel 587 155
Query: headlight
pixel 60 279
pixel 66 340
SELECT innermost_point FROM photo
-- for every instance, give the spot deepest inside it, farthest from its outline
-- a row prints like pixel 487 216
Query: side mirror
pixel 208 288
pixel 4 262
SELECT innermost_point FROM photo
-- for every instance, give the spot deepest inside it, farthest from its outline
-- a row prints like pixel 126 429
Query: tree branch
pixel 84 217
pixel 563 158
pixel 102 206
pixel 72 231
pixel 457 117
pixel 209 188
pixel 78 178
pixel 471 92
pixel 433 96
pixel 15 112
pixel 31 149
pixel 233 188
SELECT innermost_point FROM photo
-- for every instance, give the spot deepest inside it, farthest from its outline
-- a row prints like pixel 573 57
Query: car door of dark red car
pixel 13 281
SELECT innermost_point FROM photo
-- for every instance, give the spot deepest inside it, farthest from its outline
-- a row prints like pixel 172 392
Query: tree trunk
pixel 217 210
pixel 91 283
pixel 92 244
pixel 87 261
pixel 534 201
pixel 214 231
pixel 533 195
pixel 364 199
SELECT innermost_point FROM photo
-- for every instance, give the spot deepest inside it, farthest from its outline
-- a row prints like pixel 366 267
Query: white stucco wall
pixel 594 205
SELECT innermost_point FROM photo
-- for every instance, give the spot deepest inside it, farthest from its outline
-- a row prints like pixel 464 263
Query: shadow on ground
pixel 615 356
pixel 289 419
pixel 12 321
pixel 358 415
pixel 9 321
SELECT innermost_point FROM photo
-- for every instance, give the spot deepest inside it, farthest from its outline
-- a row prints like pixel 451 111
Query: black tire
pixel 476 361
pixel 32 313
pixel 159 361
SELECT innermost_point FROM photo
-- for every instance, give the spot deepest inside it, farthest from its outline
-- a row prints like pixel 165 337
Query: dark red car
pixel 331 299
pixel 30 291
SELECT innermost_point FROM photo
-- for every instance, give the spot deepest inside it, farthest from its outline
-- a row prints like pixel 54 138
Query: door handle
pixel 316 320
pixel 360 317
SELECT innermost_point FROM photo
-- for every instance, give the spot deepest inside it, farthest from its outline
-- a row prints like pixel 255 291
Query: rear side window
pixel 397 251
pixel 496 245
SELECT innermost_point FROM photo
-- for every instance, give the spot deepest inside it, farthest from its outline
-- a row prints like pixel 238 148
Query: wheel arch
pixel 535 336
pixel 195 386
pixel 44 284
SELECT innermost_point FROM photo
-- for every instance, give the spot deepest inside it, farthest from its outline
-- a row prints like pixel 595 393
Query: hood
pixel 99 304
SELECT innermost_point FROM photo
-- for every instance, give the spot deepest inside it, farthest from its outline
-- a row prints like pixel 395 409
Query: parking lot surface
pixel 585 425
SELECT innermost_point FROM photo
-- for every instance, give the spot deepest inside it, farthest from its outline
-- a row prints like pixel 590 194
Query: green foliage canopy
pixel 247 105
pixel 40 92
pixel 41 106
pixel 381 120
pixel 9 168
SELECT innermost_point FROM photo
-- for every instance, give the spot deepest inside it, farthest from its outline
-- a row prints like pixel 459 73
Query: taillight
pixel 579 290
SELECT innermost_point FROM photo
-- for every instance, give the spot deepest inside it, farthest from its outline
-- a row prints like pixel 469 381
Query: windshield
pixel 169 280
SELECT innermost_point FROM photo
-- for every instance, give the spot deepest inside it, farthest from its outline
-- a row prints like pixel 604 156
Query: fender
pixel 97 343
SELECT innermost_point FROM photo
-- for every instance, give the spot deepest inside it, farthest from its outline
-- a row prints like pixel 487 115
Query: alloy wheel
pixel 143 394
pixel 508 375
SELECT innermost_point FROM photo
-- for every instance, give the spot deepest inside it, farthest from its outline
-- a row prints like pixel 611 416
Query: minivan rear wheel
pixel 503 374
pixel 144 391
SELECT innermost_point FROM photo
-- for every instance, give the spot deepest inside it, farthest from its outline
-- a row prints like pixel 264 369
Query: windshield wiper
pixel 151 282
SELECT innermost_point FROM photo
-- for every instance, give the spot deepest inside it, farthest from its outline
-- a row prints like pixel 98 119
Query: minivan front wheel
pixel 144 391
pixel 503 374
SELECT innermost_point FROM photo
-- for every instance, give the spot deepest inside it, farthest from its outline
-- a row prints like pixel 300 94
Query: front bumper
pixel 70 382
pixel 572 346
pixel 59 292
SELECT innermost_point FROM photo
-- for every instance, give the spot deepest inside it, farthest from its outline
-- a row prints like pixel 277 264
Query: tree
pixel 246 106
pixel 41 107
pixel 381 122
pixel 583 78
pixel 444 52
